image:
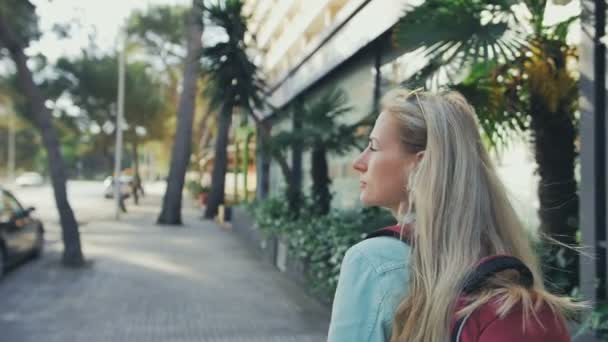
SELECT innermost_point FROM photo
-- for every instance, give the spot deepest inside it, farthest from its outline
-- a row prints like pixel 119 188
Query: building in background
pixel 307 48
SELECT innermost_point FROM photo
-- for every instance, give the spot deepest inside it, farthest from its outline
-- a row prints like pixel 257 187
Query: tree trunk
pixel 72 253
pixel 182 147
pixel 205 132
pixel 294 192
pixel 108 158
pixel 246 166
pixel 262 161
pixel 320 179
pixel 235 169
pixel 554 135
pixel 220 161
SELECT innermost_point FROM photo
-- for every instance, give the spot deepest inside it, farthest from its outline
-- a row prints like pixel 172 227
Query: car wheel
pixel 38 245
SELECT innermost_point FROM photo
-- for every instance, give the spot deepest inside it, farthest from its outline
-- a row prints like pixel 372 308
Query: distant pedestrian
pixel 136 188
pixel 426 163
pixel 121 201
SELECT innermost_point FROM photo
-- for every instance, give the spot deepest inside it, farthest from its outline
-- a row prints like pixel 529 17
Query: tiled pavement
pixel 146 282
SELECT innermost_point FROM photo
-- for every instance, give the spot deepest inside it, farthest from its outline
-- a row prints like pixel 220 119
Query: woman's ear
pixel 419 156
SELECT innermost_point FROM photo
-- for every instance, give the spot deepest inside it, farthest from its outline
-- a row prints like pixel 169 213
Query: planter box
pixel 274 251
pixel 281 257
pixel 243 224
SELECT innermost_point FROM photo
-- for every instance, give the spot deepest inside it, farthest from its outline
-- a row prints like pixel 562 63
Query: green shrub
pixel 319 241
pixel 195 188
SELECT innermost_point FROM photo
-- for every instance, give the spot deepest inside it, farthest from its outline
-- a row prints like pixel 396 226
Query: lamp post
pixel 11 147
pixel 119 121
pixel 10 170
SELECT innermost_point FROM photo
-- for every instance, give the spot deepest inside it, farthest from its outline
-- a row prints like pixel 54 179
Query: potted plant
pixel 198 191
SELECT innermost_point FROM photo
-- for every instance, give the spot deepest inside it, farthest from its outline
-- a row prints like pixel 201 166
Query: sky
pixel 105 17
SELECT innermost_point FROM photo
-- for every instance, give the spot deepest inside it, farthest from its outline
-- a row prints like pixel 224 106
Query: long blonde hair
pixel 462 213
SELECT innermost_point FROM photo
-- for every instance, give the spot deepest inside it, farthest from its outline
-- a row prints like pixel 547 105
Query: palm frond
pixel 459 33
pixel 227 63
pixel 492 96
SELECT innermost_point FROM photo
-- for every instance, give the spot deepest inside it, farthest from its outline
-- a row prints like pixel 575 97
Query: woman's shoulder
pixel 382 253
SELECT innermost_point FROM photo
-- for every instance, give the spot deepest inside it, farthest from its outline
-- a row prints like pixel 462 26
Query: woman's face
pixel 384 166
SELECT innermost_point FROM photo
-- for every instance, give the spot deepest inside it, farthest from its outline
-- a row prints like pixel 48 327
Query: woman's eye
pixel 370 145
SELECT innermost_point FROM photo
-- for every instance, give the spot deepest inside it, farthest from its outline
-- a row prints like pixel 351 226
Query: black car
pixel 21 235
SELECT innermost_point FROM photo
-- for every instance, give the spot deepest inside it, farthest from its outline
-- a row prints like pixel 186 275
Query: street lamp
pixel 119 124
pixel 11 147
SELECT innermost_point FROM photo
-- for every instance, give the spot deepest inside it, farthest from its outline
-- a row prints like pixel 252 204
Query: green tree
pixel 519 80
pixel 182 147
pixel 317 129
pixel 278 146
pixel 18 27
pixel 144 109
pixel 234 82
pixel 91 83
pixel 324 135
pixel 158 34
pixel 161 33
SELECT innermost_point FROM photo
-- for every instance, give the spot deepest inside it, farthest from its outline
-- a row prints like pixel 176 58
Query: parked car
pixel 21 235
pixel 125 186
pixel 29 179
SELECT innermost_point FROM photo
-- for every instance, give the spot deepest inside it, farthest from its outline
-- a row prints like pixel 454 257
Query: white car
pixel 29 179
pixel 125 186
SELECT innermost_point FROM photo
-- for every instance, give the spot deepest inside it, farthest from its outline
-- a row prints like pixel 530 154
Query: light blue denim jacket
pixel 373 280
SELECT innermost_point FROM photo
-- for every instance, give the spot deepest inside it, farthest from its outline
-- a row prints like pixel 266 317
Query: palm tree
pixel 325 136
pixel 18 26
pixel 182 147
pixel 234 82
pixel 278 146
pixel 516 75
pixel 316 130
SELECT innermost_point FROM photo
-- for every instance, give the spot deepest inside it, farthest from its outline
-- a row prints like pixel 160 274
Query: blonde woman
pixel 426 163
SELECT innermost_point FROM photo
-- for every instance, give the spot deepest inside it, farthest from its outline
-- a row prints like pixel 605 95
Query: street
pixel 86 199
pixel 147 282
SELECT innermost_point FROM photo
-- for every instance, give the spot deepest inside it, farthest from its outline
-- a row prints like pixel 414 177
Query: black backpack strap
pixel 393 231
pixel 484 270
pixel 492 265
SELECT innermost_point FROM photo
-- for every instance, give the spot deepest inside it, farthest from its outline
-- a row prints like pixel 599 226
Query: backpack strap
pixel 489 266
pixel 485 269
pixel 392 231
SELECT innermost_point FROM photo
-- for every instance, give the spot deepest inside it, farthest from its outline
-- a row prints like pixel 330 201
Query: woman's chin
pixel 365 201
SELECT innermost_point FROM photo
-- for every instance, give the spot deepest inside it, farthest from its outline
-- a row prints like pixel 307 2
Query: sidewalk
pixel 198 282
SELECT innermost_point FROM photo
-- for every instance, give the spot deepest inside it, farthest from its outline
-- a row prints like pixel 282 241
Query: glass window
pixel 5 213
pixel 12 204
pixel 9 207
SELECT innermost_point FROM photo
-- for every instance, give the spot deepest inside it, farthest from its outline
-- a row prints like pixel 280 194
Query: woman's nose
pixel 359 164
